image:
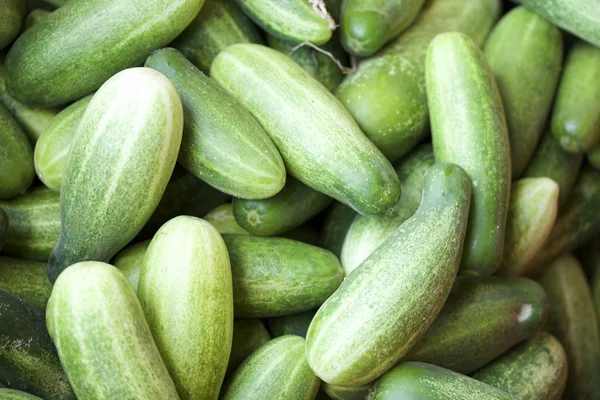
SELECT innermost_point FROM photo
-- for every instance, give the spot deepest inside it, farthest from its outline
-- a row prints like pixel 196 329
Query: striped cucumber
pixel 295 324
pixel 335 227
pixel 344 392
pixel 3 228
pixel 222 143
pixel 118 166
pixel 10 394
pixel 386 95
pixel 221 217
pixel 16 157
pixel 47 67
pixel 103 340
pixel 34 17
pixel 12 13
pixel 309 127
pixel 389 301
pixel 130 261
pixel 26 279
pixel 475 138
pixel 248 335
pixel 525 55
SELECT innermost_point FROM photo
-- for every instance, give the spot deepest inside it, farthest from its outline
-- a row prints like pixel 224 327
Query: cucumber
pixel 248 335
pixel 118 166
pixel 308 126
pixel 12 13
pixel 222 143
pixel 525 55
pixel 386 95
pixel 414 380
pixel 475 138
pixel 531 215
pixel 389 301
pixel 221 217
pixel 366 25
pixel 295 324
pixel 52 148
pixel 575 118
pixel 277 370
pixel 28 359
pixel 335 227
pixel 593 157
pixel 10 394
pixel 482 319
pixel 344 392
pixel 26 279
pixel 34 224
pixel 3 228
pixel 16 157
pixel 34 17
pixel 111 357
pixel 220 24
pixel 534 370
pixel 130 261
pixel 574 322
pixel 47 67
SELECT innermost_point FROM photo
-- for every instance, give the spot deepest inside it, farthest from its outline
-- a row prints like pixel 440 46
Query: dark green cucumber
pixel 248 335
pixel 593 157
pixel 34 17
pixel 221 217
pixel 28 359
pixel 10 394
pixel 386 304
pixel 525 55
pixel 295 324
pixel 130 261
pixel 3 228
pixel 12 13
pixel 386 95
pixel 335 227
pixel 16 157
pixel 26 279
pixel 476 138
pixel 222 143
pixel 345 392
pixel 309 127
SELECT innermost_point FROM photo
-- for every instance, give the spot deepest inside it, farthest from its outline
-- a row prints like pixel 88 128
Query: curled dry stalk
pixel 321 10
pixel 345 70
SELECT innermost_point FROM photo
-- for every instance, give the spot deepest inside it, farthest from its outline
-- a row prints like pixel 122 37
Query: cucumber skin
pixel 130 260
pixel 404 283
pixel 3 228
pixel 476 138
pixel 221 217
pixel 25 279
pixel 295 324
pixel 127 159
pixel 12 13
pixel 16 157
pixel 9 394
pixel 249 334
pixel 344 392
pixel 525 55
pixel 335 227
pixel 34 17
pixel 386 95
pixel 39 72
pixel 119 343
pixel 309 136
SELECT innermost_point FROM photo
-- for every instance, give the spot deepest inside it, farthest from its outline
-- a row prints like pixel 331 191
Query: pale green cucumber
pixel 389 301
pixel 309 127
pixel 248 335
pixel 16 157
pixel 34 17
pixel 26 279
pixel 222 143
pixel 525 55
pixel 118 166
pixel 10 394
pixel 386 95
pixel 277 370
pixel 476 138
pixel 12 13
pixel 221 217
pixel 593 157
pixel 344 392
pixel 335 227
pixel 103 340
pixel 295 324
pixel 3 228
pixel 130 261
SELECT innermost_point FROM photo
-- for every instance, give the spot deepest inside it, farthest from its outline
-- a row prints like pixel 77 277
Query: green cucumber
pixel 574 322
pixel 220 24
pixel 277 370
pixel 118 166
pixel 16 157
pixel 130 261
pixel 52 148
pixel 385 305
pixel 12 13
pixel 344 392
pixel 47 67
pixel 34 17
pixel 534 370
pixel 221 217
pixel 482 319
pixel 3 228
pixel 525 55
pixel 295 324
pixel 309 127
pixel 222 143
pixel 386 95
pixel 366 25
pixel 266 283
pixel 575 118
pixel 476 138
pixel 33 224
pixel 248 336
pixel 103 340
pixel 593 157
pixel 28 359
pixel 26 279
pixel 335 227
pixel 10 394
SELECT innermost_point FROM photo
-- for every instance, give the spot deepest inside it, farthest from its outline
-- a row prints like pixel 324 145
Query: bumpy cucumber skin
pixel 34 17
pixel 535 370
pixel 476 138
pixel 3 228
pixel 383 307
pixel 295 324
pixel 319 141
pixel 335 227
pixel 111 357
pixel 386 95
pixel 118 166
pixel 10 394
pixel 482 318
pixel 222 143
pixel 525 55
pixel 16 157
pixel 297 277
pixel 130 261
pixel 12 13
pixel 344 392
pixel 26 279
pixel 248 335
pixel 48 67
pixel 221 217
pixel 277 370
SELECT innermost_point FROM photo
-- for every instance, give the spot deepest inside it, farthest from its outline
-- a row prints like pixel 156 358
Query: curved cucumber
pixel 248 335
pixel 295 324
pixel 344 392
pixel 335 227
pixel 34 17
pixel 10 394
pixel 3 228
pixel 118 167
pixel 26 279
pixel 130 261
pixel 222 143
pixel 12 13
pixel 221 217
pixel 386 304
pixel 475 138
pixel 309 127
pixel 16 157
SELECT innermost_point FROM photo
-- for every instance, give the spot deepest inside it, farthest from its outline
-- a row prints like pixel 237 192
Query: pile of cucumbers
pixel 300 199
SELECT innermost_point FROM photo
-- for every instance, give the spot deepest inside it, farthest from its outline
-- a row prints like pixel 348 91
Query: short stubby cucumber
pixel 248 335
pixel 26 279
pixel 310 128
pixel 12 13
pixel 10 394
pixel 130 261
pixel 295 324
pixel 16 157
pixel 335 227
pixel 389 301
pixel 3 228
pixel 476 138
pixel 221 217
pixel 34 17
pixel 118 166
